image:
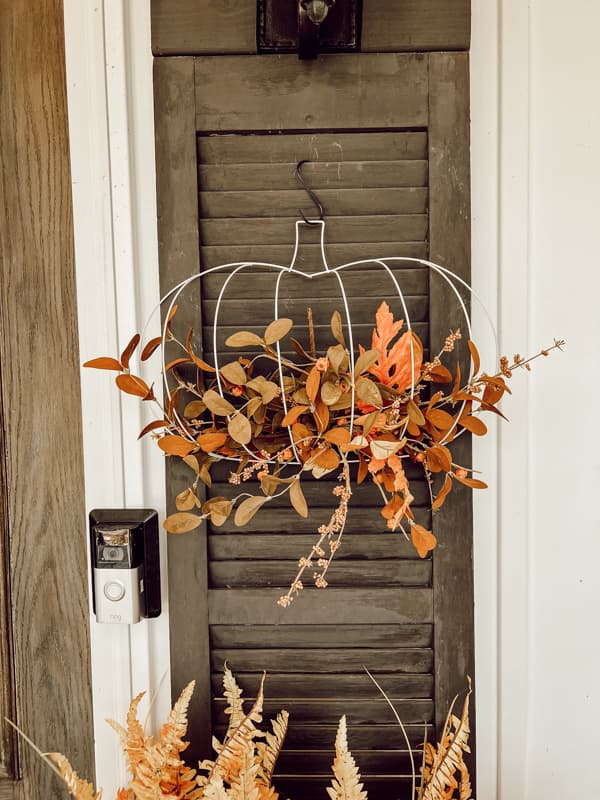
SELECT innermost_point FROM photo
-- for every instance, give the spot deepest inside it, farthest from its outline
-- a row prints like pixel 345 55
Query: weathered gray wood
pixel 179 258
pixel 257 231
pixel 7 788
pixel 338 660
pixel 289 148
pixel 396 686
pixel 413 279
pixel 338 202
pixel 358 712
pixel 233 306
pixel 188 27
pixel 322 175
pixel 364 546
pixel 450 246
pixel 281 92
pixel 416 25
pixel 245 574
pixel 380 737
pixel 41 460
pixel 360 606
pixel 185 27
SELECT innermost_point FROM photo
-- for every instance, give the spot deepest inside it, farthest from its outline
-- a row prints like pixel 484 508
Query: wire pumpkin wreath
pixel 364 413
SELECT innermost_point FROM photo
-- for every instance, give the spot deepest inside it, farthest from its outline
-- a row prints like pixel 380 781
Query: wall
pixel 534 171
pixel 536 124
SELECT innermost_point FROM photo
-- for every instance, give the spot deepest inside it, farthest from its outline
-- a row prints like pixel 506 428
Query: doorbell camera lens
pixel 113 554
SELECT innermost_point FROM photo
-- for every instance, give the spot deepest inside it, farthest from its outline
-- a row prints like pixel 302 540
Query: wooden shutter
pixel 388 138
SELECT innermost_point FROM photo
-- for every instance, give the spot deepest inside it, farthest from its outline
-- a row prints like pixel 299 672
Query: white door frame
pixel 109 77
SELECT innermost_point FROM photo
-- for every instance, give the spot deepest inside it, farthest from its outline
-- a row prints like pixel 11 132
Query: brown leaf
pixel 368 422
pixel 328 458
pixel 150 347
pixel 192 463
pixel 177 362
pixel 438 459
pixel 217 404
pixel 239 429
pixel 475 357
pixel 209 442
pixel 244 339
pixel 339 436
pixel 364 361
pixel 422 539
pixel 200 363
pixel 186 500
pixel 415 414
pixel 248 508
pixel 440 374
pixel 312 384
pixel 298 500
pixel 194 409
pixel 337 329
pixel 472 483
pixel 129 350
pixel 473 424
pixel 302 434
pixel 292 415
pixel 441 419
pixel 152 426
pixel 131 384
pixel 182 522
pixel 277 330
pixel 330 393
pixel 368 392
pixel 363 469
pixel 234 373
pixel 338 358
pixel 176 445
pixel 253 405
pixel 299 349
pixel 491 393
pixel 219 509
pixel 104 363
pixel 442 494
pixel 321 416
pixel 382 449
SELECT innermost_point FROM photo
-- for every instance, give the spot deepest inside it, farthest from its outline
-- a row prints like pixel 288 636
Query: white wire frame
pixel 450 277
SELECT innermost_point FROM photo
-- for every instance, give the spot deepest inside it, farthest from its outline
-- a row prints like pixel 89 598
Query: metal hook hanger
pixel 309 191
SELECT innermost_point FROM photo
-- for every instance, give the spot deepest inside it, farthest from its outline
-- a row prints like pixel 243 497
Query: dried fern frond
pixel 346 785
pixel 235 704
pixel 244 785
pixel 229 761
pixel 173 731
pixel 78 788
pixel 268 752
pixel 132 736
pixel 442 764
pixel 215 790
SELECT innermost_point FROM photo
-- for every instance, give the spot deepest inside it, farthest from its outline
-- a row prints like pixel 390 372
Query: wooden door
pixel 387 135
pixel 45 683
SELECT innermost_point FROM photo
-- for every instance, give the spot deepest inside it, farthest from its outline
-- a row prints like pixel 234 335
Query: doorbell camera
pixel 125 564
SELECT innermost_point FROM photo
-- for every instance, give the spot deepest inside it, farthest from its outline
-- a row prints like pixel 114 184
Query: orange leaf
pixel 209 442
pixel 312 384
pixel 321 415
pixel 441 419
pixel 151 347
pixel 152 426
pixel 176 363
pixel 292 415
pixel 104 363
pixel 472 483
pixel 442 494
pixel 440 374
pixel 201 364
pixel 131 384
pixel 128 352
pixel 473 424
pixel 475 357
pixel 392 506
pixel 328 459
pixel 438 459
pixel 302 434
pixel 363 469
pixel 393 367
pixel 176 445
pixel 339 436
pixel 422 539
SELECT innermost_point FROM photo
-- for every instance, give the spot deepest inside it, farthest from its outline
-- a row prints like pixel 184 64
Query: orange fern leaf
pixel 393 367
pixel 78 788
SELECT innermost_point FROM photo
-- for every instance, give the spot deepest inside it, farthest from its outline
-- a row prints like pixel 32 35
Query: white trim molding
pixel 111 127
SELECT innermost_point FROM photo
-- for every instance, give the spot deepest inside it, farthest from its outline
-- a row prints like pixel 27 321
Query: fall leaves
pixel 277 420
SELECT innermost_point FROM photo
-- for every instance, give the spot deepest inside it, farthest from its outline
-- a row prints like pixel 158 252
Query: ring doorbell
pixel 125 564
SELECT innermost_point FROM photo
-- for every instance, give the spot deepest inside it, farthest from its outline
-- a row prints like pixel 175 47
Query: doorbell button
pixel 114 590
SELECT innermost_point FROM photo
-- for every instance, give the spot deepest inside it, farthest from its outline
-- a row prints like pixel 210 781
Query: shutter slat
pixel 380 737
pixel 359 686
pixel 318 174
pixel 314 636
pixel 293 147
pixel 334 659
pixel 359 605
